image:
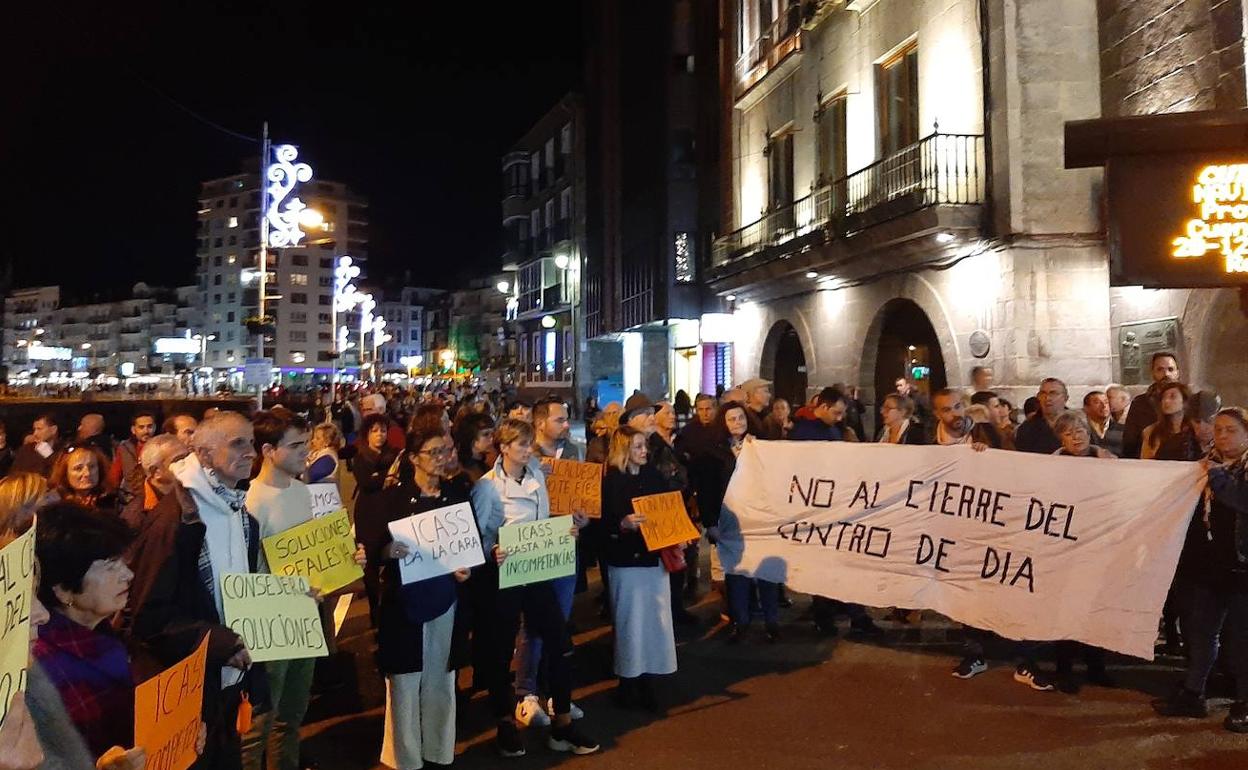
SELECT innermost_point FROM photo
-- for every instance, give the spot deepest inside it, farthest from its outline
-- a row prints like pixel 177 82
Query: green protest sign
pixel 536 551
pixel 274 615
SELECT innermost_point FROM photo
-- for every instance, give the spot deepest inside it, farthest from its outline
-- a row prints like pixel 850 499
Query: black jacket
pixel 370 469
pixel 400 641
pixel 1036 435
pixel 1141 414
pixel 1222 555
pixel 627 548
pixel 170 609
pixel 914 435
pixel 714 469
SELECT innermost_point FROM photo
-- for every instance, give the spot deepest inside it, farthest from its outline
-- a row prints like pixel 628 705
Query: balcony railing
pixel 941 169
pixel 784 27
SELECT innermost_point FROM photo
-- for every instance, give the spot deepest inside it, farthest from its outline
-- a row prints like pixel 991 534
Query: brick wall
pixel 1171 55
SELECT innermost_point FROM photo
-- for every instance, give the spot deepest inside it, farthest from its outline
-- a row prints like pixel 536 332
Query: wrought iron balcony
pixel 942 169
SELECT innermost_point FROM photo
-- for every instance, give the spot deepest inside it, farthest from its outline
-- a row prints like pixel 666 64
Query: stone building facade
pixel 1167 56
pixel 898 202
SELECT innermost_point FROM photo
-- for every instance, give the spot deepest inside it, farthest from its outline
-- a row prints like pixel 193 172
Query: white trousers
pixel 420 707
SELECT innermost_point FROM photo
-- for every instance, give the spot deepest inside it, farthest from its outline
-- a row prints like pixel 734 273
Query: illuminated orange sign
pixel 1221 222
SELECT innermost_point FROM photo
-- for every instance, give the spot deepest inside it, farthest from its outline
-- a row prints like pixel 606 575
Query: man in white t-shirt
pixel 279 500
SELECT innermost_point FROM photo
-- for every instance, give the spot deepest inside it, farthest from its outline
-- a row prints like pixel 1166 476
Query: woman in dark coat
pixel 416 621
pixel 1218 616
pixel 370 465
pixel 645 644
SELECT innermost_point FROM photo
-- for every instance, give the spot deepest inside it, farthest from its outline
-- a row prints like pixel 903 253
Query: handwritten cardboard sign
pixel 322 550
pixel 274 615
pixel 17 577
pixel 438 542
pixel 325 499
pixel 167 712
pixel 536 551
pixel 575 486
pixel 666 522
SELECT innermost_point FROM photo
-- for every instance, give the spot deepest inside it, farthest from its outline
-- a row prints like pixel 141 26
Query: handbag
pixel 673 558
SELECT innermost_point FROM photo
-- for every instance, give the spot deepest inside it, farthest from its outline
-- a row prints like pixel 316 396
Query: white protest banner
pixel 438 542
pixel 325 499
pixel 1037 547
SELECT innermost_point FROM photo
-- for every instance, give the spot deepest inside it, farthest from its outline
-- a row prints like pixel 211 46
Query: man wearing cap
pixel 757 406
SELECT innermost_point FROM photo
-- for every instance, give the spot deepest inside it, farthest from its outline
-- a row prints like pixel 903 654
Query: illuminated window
pixel 298 279
pixel 232 222
pixel 897 94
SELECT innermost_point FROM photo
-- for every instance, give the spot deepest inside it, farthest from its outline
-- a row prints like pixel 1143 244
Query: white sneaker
pixel 573 709
pixel 529 713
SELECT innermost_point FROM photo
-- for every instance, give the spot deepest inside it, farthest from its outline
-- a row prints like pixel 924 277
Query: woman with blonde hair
pixel 645 643
pixel 323 450
pixel 605 424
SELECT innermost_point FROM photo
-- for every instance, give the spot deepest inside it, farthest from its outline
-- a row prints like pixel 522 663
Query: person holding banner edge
pixel 514 492
pixel 1218 615
pixel 645 642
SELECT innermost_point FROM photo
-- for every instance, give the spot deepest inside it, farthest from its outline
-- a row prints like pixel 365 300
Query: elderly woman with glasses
pixel 416 620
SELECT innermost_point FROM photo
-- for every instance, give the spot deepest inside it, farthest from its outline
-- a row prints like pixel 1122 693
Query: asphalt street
pixel 807 702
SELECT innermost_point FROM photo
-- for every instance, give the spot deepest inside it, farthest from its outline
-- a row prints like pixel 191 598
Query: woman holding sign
pixel 512 493
pixel 645 644
pixel 415 620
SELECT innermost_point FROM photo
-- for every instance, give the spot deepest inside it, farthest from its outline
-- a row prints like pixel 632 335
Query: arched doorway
pixel 784 363
pixel 907 346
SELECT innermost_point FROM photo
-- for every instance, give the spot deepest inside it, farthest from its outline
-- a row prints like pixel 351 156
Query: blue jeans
pixel 529 649
pixel 1213 616
pixel 738 587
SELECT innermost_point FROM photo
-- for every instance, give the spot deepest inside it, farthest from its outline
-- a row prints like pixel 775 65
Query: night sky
pixel 410 103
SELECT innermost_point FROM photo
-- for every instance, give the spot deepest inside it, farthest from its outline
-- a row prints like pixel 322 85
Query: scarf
pixel 944 438
pixel 1237 466
pixel 227 535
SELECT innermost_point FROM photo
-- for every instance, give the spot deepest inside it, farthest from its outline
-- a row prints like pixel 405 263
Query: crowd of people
pixel 132 537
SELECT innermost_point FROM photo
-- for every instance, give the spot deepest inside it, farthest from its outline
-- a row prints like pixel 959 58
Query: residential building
pixel 149 330
pixel 476 340
pixel 405 314
pixel 653 117
pixel 299 286
pixel 544 246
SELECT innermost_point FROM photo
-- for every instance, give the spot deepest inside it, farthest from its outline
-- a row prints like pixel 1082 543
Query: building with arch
pixel 898 204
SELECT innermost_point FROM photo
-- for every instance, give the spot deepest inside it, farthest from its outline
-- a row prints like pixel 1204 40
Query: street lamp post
pixel 281 219
pixel 346 296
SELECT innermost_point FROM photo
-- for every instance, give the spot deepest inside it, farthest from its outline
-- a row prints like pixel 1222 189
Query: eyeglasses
pixel 443 452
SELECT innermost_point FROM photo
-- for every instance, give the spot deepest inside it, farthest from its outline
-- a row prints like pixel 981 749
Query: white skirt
pixel 644 641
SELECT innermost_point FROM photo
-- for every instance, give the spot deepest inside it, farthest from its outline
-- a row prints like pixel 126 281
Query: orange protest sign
pixel 666 522
pixel 574 486
pixel 167 712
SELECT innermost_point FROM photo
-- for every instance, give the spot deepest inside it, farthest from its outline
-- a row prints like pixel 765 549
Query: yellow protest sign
pixel 575 486
pixel 666 522
pixel 167 712
pixel 17 578
pixel 322 550
pixel 274 615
